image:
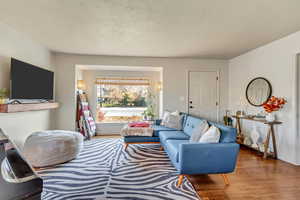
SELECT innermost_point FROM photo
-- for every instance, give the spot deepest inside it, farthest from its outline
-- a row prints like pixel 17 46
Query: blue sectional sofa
pixel 192 157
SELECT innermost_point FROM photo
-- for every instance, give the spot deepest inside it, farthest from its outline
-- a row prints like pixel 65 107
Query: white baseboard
pixel 109 128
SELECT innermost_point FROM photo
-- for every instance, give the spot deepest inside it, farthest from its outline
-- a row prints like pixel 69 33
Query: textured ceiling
pixel 157 28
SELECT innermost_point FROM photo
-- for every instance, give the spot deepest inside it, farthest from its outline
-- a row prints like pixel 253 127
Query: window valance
pixel 122 81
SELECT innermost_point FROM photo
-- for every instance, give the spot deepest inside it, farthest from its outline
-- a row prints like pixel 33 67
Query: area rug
pixel 104 170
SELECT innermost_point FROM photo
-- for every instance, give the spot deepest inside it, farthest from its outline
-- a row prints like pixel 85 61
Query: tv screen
pixel 30 82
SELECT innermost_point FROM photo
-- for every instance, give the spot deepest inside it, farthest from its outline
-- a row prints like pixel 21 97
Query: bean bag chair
pixel 48 148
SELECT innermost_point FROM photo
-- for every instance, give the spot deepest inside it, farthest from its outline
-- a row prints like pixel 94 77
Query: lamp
pixel 159 86
pixel 80 85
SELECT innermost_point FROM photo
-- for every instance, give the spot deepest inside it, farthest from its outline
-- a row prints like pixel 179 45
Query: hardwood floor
pixel 254 179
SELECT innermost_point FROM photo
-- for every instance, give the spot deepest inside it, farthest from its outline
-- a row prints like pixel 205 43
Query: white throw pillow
pixel 199 131
pixel 212 135
pixel 174 121
pixel 165 117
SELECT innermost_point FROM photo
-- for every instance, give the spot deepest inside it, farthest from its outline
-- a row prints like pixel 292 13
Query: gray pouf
pixel 48 148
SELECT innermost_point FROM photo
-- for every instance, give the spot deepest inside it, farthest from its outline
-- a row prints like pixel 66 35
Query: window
pixel 121 99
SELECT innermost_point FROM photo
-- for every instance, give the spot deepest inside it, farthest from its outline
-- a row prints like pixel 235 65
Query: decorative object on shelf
pixel 258 91
pixel 247 141
pixel 261 147
pixel 273 104
pixel 148 114
pixel 270 117
pixel 254 137
pixel 227 119
pixel 260 115
pixel 240 113
pixel 4 96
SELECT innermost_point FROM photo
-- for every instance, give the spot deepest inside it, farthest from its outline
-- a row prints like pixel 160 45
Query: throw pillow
pixel 212 135
pixel 199 131
pixel 174 121
pixel 165 117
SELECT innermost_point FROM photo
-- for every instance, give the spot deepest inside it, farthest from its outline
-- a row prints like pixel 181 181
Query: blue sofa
pixel 192 157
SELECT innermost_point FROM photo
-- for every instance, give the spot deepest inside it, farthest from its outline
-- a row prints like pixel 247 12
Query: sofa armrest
pixel 199 158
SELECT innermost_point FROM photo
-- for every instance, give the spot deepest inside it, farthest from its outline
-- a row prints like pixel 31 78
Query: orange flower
pixel 274 104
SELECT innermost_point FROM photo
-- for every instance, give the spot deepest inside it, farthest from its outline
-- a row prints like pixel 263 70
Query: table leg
pixel 267 143
pixel 274 141
pixel 239 131
pixel 125 146
pixel 238 126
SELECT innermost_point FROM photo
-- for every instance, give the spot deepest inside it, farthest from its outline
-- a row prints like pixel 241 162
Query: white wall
pixel 276 62
pixel 174 78
pixel 12 44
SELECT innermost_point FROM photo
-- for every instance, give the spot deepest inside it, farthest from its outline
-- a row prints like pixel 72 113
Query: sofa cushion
pixel 177 135
pixel 158 128
pixel 172 148
pixel 228 134
pixel 190 124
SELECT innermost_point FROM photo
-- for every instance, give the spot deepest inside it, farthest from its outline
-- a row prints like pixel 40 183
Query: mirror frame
pixel 270 86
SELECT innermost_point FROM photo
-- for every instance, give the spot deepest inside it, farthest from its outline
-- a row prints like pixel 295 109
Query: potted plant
pixel 273 104
pixel 148 114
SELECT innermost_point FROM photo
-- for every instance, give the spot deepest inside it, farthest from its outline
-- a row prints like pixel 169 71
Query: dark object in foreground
pixel 17 179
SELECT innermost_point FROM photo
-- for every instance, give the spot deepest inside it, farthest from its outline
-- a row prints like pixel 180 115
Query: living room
pixel 236 42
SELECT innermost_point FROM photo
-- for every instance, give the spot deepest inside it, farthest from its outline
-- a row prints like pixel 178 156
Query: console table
pixel 271 133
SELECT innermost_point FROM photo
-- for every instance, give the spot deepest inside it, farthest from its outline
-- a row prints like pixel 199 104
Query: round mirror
pixel 258 91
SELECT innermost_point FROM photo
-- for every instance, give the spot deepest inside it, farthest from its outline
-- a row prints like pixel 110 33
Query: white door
pixel 203 95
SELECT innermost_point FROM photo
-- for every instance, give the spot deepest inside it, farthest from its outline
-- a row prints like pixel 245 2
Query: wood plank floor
pixel 253 179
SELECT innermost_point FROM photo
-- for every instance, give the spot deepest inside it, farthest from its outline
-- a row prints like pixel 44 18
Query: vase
pixel 270 117
pixel 254 137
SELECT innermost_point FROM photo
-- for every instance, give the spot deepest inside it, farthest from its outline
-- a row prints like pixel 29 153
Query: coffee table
pixel 138 135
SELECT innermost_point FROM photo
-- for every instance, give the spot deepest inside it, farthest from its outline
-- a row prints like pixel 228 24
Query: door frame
pixel 218 89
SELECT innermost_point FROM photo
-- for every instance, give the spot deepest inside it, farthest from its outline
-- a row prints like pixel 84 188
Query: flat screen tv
pixel 30 82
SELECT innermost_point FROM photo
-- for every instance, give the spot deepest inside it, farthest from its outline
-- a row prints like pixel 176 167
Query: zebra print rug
pixel 104 170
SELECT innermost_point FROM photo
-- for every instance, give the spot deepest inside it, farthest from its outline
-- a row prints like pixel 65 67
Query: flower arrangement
pixel 274 104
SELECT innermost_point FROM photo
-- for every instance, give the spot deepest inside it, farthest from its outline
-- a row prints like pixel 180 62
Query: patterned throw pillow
pixel 174 121
pixel 199 131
